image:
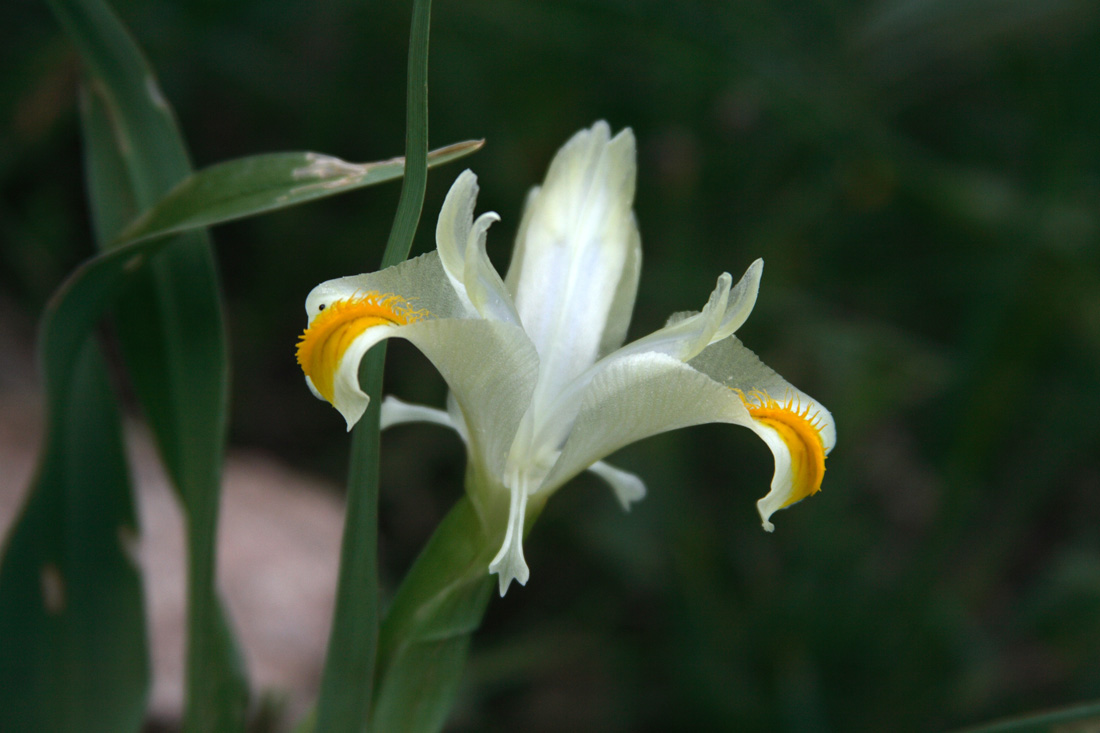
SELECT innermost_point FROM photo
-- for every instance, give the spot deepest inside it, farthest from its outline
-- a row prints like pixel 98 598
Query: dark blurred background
pixel 922 178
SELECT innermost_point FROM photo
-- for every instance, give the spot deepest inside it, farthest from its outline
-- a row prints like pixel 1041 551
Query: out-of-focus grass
pixel 923 182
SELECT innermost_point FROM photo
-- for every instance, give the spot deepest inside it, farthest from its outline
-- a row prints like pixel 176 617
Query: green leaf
pixel 169 326
pixel 259 183
pixel 416 139
pixel 426 634
pixel 73 656
pixel 348 675
pixel 348 678
pixel 170 332
pixel 104 170
pixel 71 610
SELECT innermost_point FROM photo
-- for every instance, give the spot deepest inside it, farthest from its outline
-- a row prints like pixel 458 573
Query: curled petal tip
pixel 628 487
pixel 354 411
pixel 793 432
pixel 766 512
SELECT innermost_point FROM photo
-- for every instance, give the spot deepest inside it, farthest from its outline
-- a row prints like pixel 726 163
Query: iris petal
pixel 793 433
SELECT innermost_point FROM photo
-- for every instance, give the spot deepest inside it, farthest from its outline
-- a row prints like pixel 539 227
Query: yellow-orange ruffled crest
pixel 800 430
pixel 330 333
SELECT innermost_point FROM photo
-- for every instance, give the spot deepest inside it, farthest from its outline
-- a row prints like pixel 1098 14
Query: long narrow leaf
pixel 1077 719
pixel 75 661
pixel 347 680
pixel 169 326
pixel 248 186
pixel 73 657
pixel 426 634
pixel 416 139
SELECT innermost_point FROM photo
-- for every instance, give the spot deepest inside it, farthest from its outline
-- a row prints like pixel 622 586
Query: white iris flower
pixel 541 386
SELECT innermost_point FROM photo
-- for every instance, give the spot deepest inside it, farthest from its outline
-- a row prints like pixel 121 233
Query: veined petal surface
pixel 577 256
pixel 636 397
pixel 627 487
pixel 682 338
pixel 735 365
pixel 799 430
pixel 491 394
pixel 420 281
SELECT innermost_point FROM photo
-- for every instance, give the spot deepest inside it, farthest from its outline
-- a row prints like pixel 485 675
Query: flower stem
pixel 349 674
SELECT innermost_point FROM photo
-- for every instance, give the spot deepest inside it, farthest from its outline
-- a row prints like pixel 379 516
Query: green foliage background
pixel 923 182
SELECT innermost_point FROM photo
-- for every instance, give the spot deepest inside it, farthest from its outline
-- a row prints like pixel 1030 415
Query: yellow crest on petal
pixel 322 345
pixel 800 430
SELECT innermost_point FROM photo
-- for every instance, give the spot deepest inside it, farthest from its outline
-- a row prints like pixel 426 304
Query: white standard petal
pixel 574 271
pixel 741 301
pixel 452 231
pixel 622 303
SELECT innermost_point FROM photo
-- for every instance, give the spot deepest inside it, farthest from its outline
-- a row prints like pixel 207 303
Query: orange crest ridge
pixel 322 345
pixel 800 430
